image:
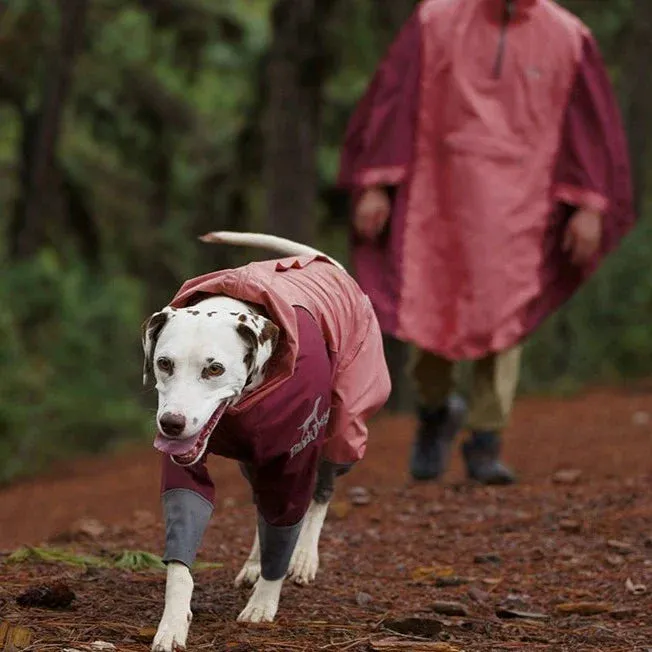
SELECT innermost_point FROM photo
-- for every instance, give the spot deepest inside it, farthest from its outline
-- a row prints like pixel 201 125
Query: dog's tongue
pixel 182 446
pixel 174 446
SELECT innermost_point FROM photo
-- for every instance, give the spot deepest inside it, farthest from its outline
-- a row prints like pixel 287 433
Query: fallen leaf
pixel 516 601
pixel 538 554
pixel 435 508
pixel 89 527
pixel 453 580
pixel 567 552
pixel 395 643
pixel 363 599
pixel 101 646
pixel 357 491
pixel 53 596
pixel 568 525
pixel 424 627
pixel 339 509
pixel 567 476
pixel 635 589
pixel 507 613
pixel 13 638
pixel 487 558
pixel 614 560
pixel 623 613
pixel 432 572
pixel 450 608
pixel 641 418
pixel 359 496
pixel 146 634
pixel 583 608
pixel 478 594
pixel 621 546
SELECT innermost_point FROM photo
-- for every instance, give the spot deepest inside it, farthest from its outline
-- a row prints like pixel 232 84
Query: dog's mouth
pixel 187 452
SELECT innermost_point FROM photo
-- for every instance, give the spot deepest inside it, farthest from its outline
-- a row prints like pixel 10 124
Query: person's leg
pixel 494 383
pixel 433 378
pixel 441 415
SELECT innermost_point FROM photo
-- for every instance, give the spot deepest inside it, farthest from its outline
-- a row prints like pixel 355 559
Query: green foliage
pixel 55 556
pixel 137 560
pixel 69 362
pixel 129 560
pixel 602 335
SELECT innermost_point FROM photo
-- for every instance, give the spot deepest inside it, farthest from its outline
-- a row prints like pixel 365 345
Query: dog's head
pixel 203 359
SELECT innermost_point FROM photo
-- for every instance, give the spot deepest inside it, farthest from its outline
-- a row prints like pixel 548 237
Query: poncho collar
pixel 501 10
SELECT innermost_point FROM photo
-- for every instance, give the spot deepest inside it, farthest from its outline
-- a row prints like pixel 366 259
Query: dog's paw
pixel 172 633
pixel 304 564
pixel 263 603
pixel 249 574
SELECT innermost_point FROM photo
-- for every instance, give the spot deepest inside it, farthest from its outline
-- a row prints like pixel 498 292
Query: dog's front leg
pixel 276 547
pixel 186 516
pixel 263 603
pixel 173 628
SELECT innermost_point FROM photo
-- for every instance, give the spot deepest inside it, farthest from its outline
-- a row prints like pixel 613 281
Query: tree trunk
pixel 637 91
pixel 41 131
pixel 294 77
pixel 390 16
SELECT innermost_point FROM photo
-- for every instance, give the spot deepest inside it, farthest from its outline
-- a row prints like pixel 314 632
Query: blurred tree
pixel 636 90
pixel 389 16
pixel 295 74
pixel 41 127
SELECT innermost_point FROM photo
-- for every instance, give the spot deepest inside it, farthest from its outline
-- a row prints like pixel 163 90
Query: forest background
pixel 128 127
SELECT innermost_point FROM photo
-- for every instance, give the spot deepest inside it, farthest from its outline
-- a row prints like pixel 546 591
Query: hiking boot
pixel 431 450
pixel 481 453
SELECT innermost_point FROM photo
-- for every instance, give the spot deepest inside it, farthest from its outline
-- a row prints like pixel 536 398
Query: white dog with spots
pixel 259 357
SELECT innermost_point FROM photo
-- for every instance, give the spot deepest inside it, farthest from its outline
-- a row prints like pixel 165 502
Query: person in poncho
pixel 489 173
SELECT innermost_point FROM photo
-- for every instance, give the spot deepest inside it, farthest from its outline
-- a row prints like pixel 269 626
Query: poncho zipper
pixel 500 55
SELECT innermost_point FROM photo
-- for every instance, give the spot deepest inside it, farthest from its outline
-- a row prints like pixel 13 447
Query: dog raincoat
pixel 326 378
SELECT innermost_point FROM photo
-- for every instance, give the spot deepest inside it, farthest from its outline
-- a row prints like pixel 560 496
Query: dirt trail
pixel 411 547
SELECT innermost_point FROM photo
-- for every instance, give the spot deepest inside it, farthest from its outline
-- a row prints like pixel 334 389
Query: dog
pixel 277 365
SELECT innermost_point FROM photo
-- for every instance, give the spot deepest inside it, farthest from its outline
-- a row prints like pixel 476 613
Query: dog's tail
pixel 263 241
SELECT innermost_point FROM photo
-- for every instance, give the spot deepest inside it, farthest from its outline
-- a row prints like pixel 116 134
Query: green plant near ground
pixel 130 560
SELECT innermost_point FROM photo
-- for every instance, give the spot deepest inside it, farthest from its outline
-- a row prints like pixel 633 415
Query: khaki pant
pixel 493 385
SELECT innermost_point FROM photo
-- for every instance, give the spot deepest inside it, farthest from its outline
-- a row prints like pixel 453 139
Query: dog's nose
pixel 172 424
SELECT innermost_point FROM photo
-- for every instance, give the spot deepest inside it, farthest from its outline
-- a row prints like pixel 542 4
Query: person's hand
pixel 372 212
pixel 583 235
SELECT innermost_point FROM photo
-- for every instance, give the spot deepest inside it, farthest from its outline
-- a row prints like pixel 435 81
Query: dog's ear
pixel 151 329
pixel 261 337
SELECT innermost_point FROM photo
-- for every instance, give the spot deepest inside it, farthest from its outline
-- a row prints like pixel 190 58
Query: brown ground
pixel 411 547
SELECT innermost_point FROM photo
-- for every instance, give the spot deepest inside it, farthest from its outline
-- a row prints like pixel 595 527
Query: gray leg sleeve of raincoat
pixel 186 517
pixel 276 548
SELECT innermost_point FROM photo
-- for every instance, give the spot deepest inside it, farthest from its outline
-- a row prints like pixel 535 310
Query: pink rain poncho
pixel 490 127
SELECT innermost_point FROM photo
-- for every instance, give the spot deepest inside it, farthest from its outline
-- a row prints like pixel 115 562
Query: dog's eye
pixel 165 365
pixel 215 369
